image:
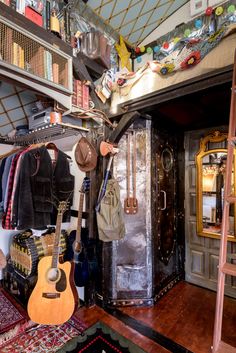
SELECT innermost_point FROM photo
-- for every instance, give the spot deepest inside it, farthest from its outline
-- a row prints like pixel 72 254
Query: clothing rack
pixel 46 133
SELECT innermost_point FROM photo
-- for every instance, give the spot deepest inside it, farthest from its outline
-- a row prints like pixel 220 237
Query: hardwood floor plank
pixel 185 315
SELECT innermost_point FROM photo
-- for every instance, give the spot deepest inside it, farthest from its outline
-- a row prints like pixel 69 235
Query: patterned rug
pixel 44 338
pixel 10 312
pixel 100 338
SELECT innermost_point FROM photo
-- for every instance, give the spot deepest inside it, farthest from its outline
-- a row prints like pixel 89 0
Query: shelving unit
pixel 47 133
pixel 35 58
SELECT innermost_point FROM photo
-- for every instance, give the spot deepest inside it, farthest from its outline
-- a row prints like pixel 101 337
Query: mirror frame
pixel 216 137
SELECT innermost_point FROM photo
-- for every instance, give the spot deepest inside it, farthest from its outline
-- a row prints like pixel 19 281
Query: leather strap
pixel 134 165
pixel 128 165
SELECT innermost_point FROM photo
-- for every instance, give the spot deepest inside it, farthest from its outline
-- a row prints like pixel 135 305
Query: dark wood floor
pixel 184 315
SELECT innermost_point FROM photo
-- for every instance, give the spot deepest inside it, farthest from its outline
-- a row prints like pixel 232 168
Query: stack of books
pixel 80 97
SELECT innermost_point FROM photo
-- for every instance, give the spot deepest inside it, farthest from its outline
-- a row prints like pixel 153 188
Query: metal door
pixel 166 250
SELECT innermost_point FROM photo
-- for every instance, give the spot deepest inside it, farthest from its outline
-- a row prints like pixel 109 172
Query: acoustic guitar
pixel 54 297
pixel 77 239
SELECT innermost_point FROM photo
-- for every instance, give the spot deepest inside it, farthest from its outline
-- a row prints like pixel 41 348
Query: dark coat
pixel 40 187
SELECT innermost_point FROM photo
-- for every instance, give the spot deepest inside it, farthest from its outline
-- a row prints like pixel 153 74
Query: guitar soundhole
pixel 53 275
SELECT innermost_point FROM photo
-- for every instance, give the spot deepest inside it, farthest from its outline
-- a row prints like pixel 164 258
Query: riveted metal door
pixel 167 266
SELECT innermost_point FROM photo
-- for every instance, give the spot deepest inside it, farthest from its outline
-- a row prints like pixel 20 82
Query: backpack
pixel 110 220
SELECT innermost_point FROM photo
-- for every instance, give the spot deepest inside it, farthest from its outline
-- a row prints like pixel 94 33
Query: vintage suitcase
pixel 19 287
pixel 95 45
pixel 26 250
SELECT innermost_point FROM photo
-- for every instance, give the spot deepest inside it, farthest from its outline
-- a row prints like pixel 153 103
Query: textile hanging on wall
pixel 186 53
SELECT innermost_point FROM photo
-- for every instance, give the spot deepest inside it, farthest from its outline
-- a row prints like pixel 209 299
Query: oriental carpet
pixel 10 312
pixel 44 338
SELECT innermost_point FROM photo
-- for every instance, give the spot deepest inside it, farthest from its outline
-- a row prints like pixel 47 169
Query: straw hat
pixel 85 155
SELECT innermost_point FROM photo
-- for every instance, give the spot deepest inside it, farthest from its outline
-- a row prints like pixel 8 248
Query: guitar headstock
pixel 85 185
pixel 62 207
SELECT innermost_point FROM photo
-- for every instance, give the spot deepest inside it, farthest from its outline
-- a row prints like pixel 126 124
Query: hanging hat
pixel 85 155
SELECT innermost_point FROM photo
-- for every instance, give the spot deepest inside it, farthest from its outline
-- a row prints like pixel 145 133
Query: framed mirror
pixel 210 172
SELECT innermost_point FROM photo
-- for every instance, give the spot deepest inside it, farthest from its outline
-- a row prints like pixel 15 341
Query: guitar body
pixel 52 301
pixel 80 260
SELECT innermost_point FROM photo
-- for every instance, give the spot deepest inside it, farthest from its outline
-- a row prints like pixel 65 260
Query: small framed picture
pixel 197 7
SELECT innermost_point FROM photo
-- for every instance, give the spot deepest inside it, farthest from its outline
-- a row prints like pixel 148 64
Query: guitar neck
pixel 56 246
pixel 79 221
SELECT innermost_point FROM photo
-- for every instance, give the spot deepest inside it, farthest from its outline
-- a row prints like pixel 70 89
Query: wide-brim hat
pixel 85 155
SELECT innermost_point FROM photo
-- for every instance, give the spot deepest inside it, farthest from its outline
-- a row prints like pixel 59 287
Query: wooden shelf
pixel 8 13
pixel 34 57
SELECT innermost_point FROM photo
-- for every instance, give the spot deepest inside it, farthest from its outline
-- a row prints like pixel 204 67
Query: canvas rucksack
pixel 110 215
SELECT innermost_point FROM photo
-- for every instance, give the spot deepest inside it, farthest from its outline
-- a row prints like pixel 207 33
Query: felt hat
pixel 85 155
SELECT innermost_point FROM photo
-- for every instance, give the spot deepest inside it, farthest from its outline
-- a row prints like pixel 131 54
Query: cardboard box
pixel 34 16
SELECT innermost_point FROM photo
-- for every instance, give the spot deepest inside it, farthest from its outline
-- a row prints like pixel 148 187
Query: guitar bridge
pixel 51 295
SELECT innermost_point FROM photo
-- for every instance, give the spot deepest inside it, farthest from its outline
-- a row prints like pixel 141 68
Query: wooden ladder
pixel 226 268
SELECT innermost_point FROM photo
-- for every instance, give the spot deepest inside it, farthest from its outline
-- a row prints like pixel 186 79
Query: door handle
pixel 164 198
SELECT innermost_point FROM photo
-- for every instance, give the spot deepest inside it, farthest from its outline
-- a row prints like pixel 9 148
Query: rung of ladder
pixel 232 139
pixel 225 348
pixel 231 199
pixel 229 269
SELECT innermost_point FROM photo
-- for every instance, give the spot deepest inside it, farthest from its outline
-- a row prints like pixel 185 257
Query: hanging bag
pixel 110 215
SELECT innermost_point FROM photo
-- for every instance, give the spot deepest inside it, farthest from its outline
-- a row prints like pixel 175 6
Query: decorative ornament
pixel 198 23
pixel 219 10
pixel 121 81
pixel 176 40
pixel 155 66
pixel 124 54
pixel 139 59
pixel 231 9
pixel 149 50
pixel 216 35
pixel 157 48
pixel 165 45
pixel 142 49
pixel 187 32
pixel 192 59
pixel 137 50
pixel 167 68
pixel 209 11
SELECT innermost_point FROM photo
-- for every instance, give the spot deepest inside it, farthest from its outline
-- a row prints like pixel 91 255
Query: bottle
pixel 54 22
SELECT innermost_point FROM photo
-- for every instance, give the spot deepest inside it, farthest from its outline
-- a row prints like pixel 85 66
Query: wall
pixel 5 235
pixel 68 146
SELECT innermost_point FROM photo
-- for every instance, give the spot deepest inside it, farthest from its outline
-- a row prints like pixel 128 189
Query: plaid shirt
pixel 6 220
